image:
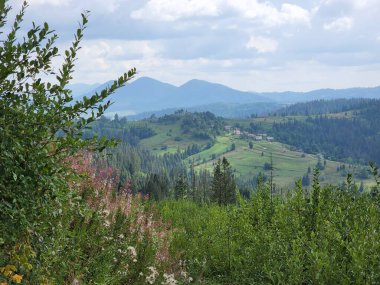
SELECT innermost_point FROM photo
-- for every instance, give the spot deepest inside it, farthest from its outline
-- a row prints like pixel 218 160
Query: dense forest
pixel 119 129
pixel 320 107
pixel 203 125
pixel 349 139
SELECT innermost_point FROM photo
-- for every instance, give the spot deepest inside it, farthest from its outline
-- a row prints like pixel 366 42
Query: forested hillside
pixel 349 138
pixel 320 107
pixel 188 145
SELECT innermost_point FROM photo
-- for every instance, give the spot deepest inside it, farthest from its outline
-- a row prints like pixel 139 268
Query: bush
pixel 326 236
pixel 267 166
pixel 61 225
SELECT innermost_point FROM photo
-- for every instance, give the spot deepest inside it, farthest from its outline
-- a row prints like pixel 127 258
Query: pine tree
pixel 217 183
pixel 229 185
pixel 223 186
pixel 181 187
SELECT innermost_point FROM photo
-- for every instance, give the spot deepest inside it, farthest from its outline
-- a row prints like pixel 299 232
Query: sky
pixel 252 45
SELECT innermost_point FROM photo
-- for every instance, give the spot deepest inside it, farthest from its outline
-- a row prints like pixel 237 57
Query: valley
pixel 200 139
pixel 288 165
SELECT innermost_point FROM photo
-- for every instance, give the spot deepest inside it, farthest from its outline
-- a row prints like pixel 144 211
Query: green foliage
pixel 129 132
pixel 181 187
pixel 223 184
pixel 319 107
pixel 326 236
pixel 35 105
pixel 201 125
pixel 338 138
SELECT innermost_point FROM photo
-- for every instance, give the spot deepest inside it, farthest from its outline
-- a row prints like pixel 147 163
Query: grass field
pixel 166 139
pixel 288 165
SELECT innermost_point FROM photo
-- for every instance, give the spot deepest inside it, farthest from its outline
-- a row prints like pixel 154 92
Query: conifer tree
pixel 229 185
pixel 181 187
pixel 217 183
pixel 223 186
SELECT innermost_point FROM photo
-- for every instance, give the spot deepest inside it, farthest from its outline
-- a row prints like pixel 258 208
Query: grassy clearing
pixel 167 140
pixel 288 165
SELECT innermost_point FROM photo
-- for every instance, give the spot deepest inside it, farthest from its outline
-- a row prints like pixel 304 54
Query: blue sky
pixel 246 44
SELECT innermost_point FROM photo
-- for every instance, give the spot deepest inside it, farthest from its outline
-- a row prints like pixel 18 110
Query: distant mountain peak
pixel 144 94
pixel 149 81
pixel 202 83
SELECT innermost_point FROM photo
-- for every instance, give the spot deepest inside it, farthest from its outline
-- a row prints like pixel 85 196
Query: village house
pixel 237 131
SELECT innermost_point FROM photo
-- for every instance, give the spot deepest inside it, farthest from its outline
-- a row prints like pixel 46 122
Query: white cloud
pixel 50 2
pixel 363 4
pixel 288 14
pixel 339 25
pixel 103 59
pixel 262 44
pixel 355 4
pixel 102 6
pixel 104 50
pixel 247 44
pixel 169 10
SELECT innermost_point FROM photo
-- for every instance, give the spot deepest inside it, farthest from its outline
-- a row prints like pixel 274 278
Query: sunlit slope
pixel 288 165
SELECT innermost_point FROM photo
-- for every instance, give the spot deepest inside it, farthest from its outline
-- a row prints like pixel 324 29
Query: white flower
pixel 106 224
pixel 153 275
pixel 132 251
pixel 105 212
pixel 169 279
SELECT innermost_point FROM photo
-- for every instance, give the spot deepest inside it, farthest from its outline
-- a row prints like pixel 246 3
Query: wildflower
pixel 106 212
pixel 132 251
pixel 185 276
pixel 121 236
pixel 16 278
pixel 153 275
pixel 106 224
pixel 8 270
pixel 169 279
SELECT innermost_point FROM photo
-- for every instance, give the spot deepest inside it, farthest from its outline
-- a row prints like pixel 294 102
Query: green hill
pixel 199 139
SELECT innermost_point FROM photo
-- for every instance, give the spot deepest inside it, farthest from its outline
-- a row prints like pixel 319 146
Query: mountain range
pixel 146 96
